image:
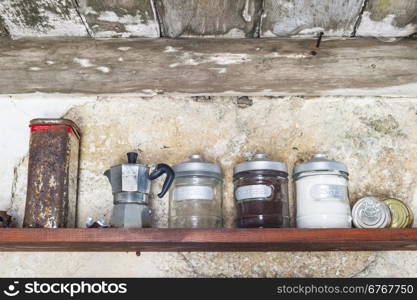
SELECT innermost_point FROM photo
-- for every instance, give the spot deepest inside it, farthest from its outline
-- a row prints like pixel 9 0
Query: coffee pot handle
pixel 159 171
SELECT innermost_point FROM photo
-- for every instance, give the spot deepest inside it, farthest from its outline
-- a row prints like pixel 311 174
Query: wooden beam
pixel 230 18
pixel 287 18
pixel 120 18
pixel 389 18
pixel 209 67
pixel 28 18
pixel 207 240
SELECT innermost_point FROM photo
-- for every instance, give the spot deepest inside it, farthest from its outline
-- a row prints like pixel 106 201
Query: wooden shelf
pixel 289 239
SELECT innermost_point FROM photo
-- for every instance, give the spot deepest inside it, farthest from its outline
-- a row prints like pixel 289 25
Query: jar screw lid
pixel 320 162
pixel 196 165
pixel 260 161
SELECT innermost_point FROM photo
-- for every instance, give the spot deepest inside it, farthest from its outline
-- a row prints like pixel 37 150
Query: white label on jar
pixel 253 191
pixel 198 192
pixel 326 191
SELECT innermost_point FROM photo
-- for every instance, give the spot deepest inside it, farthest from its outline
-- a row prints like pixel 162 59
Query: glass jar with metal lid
pixel 261 193
pixel 322 199
pixel 196 197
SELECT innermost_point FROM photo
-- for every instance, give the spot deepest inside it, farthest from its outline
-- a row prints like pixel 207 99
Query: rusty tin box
pixel 53 174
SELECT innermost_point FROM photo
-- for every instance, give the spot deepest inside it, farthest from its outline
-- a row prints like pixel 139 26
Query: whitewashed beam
pixel 295 17
pixel 29 18
pixel 213 18
pixel 120 18
pixel 389 18
pixel 209 67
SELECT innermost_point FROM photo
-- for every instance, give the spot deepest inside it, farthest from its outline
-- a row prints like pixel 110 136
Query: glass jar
pixel 261 193
pixel 196 196
pixel 322 194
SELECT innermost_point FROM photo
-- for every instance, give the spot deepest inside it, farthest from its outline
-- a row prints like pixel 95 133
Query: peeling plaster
pixel 134 25
pixel 125 19
pixel 383 28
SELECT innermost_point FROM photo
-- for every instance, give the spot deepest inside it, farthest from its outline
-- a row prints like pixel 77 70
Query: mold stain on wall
pixel 42 18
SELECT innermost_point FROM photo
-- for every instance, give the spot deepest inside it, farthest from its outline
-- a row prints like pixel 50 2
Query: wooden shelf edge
pixel 210 240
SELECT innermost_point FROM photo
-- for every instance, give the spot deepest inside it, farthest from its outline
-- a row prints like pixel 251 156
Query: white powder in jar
pixel 322 201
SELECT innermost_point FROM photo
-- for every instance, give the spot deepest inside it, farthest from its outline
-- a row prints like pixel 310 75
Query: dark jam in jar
pixel 262 198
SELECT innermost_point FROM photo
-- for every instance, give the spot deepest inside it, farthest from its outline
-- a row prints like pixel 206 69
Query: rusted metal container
pixel 53 174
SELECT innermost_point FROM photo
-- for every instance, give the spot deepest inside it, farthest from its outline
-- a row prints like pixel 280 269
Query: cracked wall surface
pixel 373 136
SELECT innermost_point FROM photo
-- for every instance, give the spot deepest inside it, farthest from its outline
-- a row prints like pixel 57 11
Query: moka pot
pixel 131 185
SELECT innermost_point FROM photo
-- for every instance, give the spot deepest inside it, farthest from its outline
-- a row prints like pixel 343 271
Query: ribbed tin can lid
pixel 196 165
pixel 370 212
pixel 319 162
pixel 260 162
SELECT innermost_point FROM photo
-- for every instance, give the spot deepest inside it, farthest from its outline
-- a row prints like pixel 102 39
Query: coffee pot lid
pixel 196 165
pixel 260 162
pixel 319 162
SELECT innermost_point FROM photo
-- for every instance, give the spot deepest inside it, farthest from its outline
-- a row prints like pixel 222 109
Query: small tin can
pixel 402 216
pixel 53 174
pixel 370 212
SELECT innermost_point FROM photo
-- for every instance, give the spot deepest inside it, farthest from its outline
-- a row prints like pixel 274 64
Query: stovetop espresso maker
pixel 131 184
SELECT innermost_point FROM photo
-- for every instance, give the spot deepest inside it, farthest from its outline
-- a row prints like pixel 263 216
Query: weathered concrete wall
pixel 374 136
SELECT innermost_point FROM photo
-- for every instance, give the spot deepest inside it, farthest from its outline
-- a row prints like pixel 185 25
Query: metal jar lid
pixel 319 162
pixel 370 212
pixel 402 216
pixel 56 121
pixel 197 166
pixel 260 162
